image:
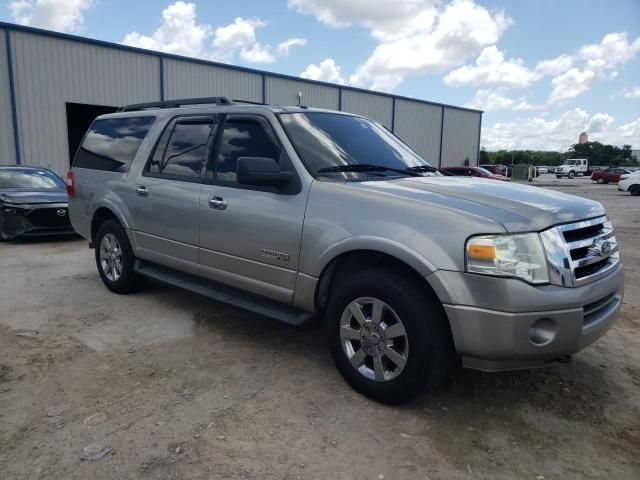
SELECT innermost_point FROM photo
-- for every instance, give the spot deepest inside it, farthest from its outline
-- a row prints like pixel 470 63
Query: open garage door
pixel 79 119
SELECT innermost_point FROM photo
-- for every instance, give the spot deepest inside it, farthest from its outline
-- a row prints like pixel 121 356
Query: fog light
pixel 542 332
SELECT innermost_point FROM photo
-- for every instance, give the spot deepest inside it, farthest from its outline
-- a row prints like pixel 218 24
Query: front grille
pixel 581 252
pixel 49 218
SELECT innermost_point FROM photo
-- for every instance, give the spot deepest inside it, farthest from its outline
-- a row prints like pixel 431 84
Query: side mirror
pixel 262 172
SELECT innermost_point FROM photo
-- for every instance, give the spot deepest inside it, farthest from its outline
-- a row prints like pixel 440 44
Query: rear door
pixel 250 236
pixel 167 193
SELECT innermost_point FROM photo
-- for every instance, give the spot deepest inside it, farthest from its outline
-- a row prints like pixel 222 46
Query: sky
pixel 542 70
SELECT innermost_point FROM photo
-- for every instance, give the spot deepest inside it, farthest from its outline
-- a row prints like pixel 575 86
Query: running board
pixel 224 293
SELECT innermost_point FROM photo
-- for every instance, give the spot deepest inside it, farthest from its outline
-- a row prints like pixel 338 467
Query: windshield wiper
pixel 365 167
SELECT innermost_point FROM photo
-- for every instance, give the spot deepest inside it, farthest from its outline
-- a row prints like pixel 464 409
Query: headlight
pixel 4 208
pixel 519 255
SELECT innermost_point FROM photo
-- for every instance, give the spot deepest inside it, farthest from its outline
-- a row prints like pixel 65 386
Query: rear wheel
pixel 388 336
pixel 635 190
pixel 115 259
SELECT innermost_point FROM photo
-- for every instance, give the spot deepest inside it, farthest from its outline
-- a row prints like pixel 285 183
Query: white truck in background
pixel 572 167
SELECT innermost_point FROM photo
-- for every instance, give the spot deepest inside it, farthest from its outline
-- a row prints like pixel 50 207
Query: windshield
pixel 326 140
pixel 35 179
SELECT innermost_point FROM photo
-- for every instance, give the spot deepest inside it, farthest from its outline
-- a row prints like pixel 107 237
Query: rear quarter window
pixel 111 144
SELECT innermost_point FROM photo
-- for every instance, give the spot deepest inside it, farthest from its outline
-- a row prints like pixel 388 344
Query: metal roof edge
pixel 159 54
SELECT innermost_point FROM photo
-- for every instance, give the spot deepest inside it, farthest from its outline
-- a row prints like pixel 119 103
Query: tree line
pixel 597 153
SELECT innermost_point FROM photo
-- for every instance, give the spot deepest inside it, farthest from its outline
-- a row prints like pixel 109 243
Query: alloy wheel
pixel 111 257
pixel 374 339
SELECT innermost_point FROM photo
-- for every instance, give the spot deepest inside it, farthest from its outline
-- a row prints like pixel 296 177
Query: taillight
pixel 71 187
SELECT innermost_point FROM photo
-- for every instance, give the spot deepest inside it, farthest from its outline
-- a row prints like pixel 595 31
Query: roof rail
pixel 248 102
pixel 176 103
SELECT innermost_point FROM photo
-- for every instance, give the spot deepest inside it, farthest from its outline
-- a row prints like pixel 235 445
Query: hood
pixel 27 196
pixel 519 208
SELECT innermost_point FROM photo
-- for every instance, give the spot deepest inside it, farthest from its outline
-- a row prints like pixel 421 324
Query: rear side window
pixel 181 151
pixel 243 138
pixel 111 144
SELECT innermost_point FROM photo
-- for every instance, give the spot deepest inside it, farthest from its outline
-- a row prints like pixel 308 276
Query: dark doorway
pixel 79 119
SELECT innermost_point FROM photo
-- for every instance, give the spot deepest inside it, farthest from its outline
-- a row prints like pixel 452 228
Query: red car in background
pixel 609 175
pixel 474 172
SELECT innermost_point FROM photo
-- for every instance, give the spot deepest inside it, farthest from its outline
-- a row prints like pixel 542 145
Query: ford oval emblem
pixel 600 249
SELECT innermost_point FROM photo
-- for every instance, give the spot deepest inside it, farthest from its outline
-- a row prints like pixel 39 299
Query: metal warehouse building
pixel 53 85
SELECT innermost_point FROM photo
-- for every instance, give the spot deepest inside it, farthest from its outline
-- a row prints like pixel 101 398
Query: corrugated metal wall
pixel 282 91
pixel 190 80
pixel 460 138
pixel 53 71
pixel 368 105
pixel 7 148
pixel 419 125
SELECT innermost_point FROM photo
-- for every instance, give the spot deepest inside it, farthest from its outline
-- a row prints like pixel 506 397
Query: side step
pixel 223 293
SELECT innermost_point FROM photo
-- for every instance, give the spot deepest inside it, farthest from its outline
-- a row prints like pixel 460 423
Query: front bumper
pixel 35 221
pixel 505 324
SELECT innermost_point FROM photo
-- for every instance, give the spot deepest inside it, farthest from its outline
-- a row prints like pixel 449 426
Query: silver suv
pixel 296 213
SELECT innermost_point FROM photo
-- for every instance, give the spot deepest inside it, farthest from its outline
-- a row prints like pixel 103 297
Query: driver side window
pixel 243 137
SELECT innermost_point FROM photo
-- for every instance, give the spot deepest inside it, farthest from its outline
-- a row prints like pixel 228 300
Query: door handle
pixel 217 203
pixel 142 190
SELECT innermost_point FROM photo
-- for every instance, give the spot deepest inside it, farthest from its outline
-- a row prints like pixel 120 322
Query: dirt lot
pixel 178 386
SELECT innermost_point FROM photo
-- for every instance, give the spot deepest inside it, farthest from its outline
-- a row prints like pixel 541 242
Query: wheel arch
pixel 360 258
pixel 100 215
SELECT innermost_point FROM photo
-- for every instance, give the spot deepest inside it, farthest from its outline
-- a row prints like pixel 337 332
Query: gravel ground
pixel 165 384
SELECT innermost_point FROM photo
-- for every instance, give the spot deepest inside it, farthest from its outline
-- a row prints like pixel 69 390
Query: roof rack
pixel 248 102
pixel 176 103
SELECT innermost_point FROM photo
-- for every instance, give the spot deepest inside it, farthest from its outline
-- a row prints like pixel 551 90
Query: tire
pixel 558 176
pixel 112 250
pixel 571 174
pixel 600 180
pixel 426 347
pixel 635 190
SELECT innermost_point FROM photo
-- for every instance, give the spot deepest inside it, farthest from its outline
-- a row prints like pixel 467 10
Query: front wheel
pixel 388 335
pixel 571 174
pixel 600 180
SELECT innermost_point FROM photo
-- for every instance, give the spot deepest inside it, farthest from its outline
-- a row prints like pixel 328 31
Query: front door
pixel 250 236
pixel 167 193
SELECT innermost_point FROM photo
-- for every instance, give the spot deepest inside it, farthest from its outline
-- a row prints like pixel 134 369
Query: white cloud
pixel 415 36
pixel 327 71
pixel 571 84
pixel 631 92
pixel 180 33
pixel 554 66
pixel 599 123
pixel 497 100
pixel 59 15
pixel 614 49
pixel 382 17
pixel 285 47
pixel 540 133
pixel 257 53
pixel 594 61
pixel 573 74
pixel 629 133
pixel 240 36
pixel 491 69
